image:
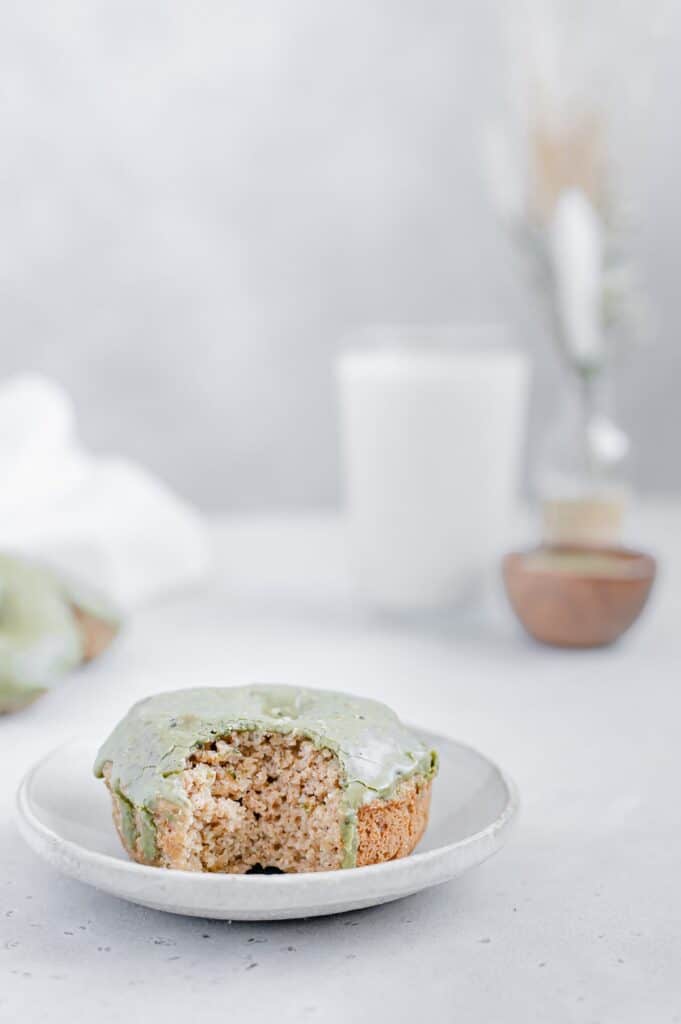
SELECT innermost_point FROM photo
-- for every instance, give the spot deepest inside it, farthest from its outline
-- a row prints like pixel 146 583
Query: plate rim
pixel 29 821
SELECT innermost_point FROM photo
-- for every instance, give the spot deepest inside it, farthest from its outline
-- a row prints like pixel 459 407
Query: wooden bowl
pixel 578 597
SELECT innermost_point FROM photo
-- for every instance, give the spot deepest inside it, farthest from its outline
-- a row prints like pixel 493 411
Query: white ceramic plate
pixel 64 815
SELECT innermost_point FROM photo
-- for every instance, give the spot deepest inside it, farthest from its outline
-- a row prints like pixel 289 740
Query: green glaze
pixel 148 749
pixel 40 639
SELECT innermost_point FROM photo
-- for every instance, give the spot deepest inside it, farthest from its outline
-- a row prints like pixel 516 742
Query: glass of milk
pixel 432 434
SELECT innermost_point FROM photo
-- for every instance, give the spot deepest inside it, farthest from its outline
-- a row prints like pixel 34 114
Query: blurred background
pixel 197 201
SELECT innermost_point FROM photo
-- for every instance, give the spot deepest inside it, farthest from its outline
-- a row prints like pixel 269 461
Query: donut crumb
pixel 258 802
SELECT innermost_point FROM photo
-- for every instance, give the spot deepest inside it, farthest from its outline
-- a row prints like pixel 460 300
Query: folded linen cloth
pixel 101 521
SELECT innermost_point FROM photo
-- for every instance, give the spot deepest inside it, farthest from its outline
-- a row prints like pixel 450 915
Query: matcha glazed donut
pixel 47 628
pixel 263 778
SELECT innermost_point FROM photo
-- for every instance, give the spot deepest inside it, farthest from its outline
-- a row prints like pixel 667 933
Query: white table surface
pixel 577 920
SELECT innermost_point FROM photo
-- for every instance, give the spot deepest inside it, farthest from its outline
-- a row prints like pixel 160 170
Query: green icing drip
pixel 147 834
pixel 349 838
pixel 127 819
pixel 149 748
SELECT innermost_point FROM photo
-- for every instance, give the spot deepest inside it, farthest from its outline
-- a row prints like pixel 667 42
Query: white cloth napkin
pixel 102 520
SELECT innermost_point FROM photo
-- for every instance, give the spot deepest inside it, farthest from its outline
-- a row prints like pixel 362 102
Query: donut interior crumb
pixel 257 801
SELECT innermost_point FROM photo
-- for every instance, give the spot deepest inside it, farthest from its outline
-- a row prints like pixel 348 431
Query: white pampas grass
pixel 579 74
pixel 575 242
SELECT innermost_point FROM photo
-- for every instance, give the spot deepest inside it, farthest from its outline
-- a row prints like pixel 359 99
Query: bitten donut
pixel 262 778
pixel 47 628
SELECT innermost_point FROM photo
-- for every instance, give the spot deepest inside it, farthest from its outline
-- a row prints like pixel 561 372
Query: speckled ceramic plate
pixel 64 815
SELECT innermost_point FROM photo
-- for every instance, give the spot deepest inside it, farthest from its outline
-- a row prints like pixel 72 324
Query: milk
pixel 432 427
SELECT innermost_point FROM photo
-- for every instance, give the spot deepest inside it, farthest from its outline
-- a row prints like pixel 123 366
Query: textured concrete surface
pixel 575 921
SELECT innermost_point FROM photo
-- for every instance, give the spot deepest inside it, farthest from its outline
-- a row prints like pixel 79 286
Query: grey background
pixel 197 200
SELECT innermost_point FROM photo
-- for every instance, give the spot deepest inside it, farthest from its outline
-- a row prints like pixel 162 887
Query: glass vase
pixel 580 475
